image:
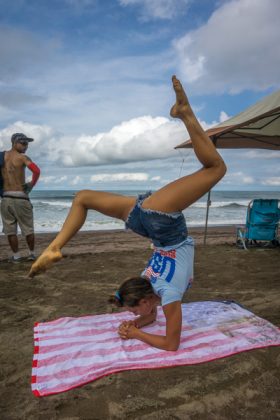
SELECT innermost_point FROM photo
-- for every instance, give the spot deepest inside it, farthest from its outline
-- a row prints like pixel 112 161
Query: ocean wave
pixel 55 226
pixel 196 223
pixel 44 228
pixel 41 203
pixel 221 204
pixel 56 195
pixel 214 204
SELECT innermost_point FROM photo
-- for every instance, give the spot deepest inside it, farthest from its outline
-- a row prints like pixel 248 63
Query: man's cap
pixel 20 136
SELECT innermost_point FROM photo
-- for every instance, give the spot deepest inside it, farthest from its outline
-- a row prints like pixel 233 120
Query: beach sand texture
pixel 245 386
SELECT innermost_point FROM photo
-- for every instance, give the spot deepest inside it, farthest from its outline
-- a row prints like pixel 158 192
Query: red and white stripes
pixel 70 352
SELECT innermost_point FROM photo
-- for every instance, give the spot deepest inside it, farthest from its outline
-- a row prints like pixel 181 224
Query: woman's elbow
pixel 172 346
pixel 221 169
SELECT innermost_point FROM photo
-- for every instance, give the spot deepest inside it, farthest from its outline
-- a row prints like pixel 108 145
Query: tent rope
pixel 183 160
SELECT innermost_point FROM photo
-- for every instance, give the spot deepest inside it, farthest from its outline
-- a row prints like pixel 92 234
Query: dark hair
pixel 132 291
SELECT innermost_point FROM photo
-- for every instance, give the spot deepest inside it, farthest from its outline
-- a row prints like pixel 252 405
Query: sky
pixel 90 81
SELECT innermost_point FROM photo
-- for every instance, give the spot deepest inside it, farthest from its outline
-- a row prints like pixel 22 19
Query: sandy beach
pixel 245 386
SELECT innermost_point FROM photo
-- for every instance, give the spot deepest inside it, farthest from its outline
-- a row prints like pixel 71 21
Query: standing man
pixel 16 208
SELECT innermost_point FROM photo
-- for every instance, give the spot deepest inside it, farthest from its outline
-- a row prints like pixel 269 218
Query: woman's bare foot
pixel 182 105
pixel 46 259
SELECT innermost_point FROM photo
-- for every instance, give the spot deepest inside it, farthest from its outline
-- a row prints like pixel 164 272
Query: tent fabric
pixel 256 127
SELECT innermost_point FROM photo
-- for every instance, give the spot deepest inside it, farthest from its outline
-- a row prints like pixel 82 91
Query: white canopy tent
pixel 258 127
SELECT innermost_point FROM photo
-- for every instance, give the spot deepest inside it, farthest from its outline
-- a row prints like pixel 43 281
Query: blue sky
pixel 90 81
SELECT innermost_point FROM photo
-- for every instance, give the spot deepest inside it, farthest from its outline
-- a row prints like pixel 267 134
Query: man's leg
pixel 25 220
pixel 9 221
pixel 30 240
pixel 183 192
pixel 113 205
pixel 13 242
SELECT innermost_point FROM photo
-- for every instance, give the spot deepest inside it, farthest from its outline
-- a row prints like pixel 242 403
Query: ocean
pixel 227 208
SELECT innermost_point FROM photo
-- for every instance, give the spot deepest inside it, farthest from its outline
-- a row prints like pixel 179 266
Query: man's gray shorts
pixel 14 212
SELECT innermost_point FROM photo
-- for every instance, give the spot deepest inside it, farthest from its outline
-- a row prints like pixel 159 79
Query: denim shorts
pixel 164 229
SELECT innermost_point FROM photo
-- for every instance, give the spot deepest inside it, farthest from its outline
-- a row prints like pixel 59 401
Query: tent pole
pixel 206 220
pixel 214 140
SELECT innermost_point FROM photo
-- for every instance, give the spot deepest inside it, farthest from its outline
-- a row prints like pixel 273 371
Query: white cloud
pixel 223 116
pixel 261 154
pixel 119 177
pixel 158 9
pixel 39 132
pixel 234 50
pixel 45 139
pixel 272 182
pixel 143 138
pixel 248 180
pixel 139 139
pixel 53 179
pixel 238 178
pixel 77 180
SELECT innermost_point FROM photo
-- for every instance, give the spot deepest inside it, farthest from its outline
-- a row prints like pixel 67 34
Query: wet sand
pixel 243 386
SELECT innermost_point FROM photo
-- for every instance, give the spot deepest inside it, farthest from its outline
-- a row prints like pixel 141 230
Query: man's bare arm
pixel 35 174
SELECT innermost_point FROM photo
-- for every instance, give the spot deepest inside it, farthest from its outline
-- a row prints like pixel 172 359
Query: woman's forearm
pixel 159 341
pixel 170 341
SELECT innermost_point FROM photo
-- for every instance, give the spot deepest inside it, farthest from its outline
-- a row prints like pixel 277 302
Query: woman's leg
pixel 181 193
pixel 113 205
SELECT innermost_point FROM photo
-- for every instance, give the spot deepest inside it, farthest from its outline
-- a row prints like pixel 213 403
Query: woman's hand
pixel 138 323
pixel 170 341
pixel 127 330
pixel 130 322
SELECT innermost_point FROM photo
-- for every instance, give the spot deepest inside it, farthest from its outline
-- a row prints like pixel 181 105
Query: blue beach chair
pixel 262 223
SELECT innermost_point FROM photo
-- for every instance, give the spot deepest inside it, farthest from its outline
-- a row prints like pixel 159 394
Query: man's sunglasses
pixel 23 142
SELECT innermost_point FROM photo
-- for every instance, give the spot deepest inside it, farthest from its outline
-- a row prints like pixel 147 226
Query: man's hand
pixel 27 187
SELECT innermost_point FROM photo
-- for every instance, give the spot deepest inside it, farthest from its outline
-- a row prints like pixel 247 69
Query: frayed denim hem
pixel 172 215
pixel 139 201
pixel 163 228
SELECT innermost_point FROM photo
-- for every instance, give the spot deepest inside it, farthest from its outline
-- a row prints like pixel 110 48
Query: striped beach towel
pixel 70 352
